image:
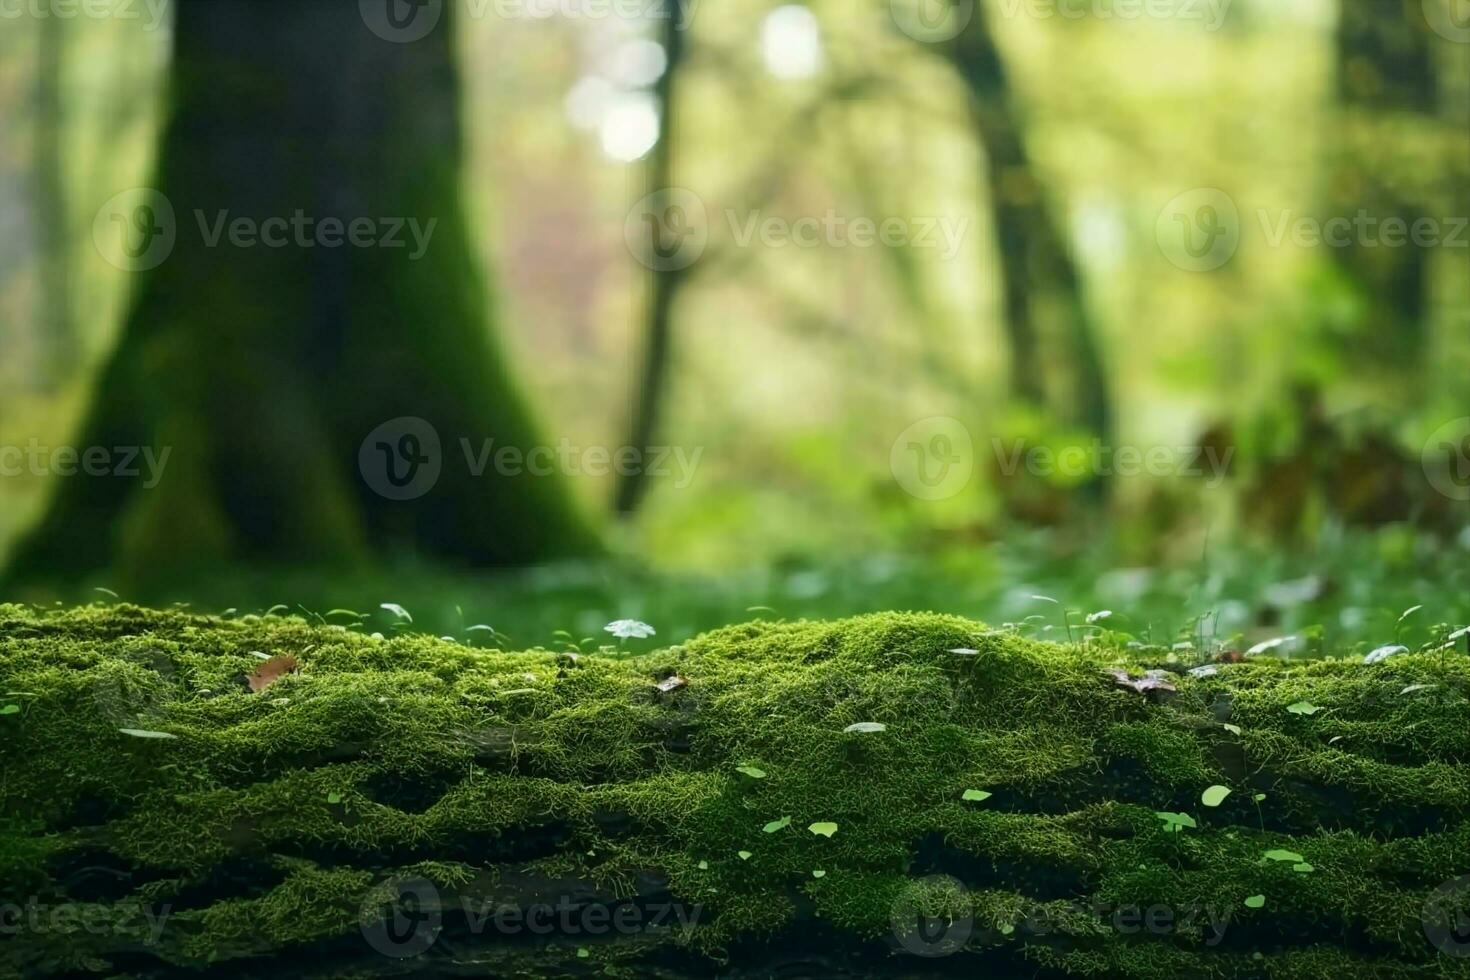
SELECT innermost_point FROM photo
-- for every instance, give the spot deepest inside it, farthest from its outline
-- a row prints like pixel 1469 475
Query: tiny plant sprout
pixel 1175 822
pixel 1215 795
pixel 823 828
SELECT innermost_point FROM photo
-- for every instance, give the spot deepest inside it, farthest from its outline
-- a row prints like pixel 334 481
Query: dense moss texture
pixel 271 819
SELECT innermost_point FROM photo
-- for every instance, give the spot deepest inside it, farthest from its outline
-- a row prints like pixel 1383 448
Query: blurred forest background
pixel 1066 145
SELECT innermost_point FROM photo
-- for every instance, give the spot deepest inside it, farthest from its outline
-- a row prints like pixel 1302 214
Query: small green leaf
pixel 819 873
pixel 1260 797
pixel 1007 929
pixel 1303 708
pixel 1232 729
pixel 744 855
pixel 1302 867
pixel 1215 795
pixel 1280 855
pixel 334 798
pixel 751 771
pixel 10 709
pixel 1256 902
pixel 1175 822
pixel 866 727
pixel 703 865
pixel 397 610
pixel 823 828
pixel 776 825
pixel 976 796
pixel 583 952
pixel 139 733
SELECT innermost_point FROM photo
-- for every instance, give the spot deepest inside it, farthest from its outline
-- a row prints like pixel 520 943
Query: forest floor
pixel 1349 594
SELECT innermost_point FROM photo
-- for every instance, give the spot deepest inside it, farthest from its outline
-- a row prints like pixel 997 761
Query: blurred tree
pixel 1386 76
pixel 664 280
pixel 263 370
pixel 1046 315
pixel 58 343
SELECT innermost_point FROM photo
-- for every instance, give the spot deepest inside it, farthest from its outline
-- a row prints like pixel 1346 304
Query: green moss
pixel 270 820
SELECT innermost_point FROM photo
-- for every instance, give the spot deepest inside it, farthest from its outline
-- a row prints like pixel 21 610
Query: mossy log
pixel 894 795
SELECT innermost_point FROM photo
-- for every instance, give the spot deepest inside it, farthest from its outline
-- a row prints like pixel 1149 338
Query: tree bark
pixel 263 369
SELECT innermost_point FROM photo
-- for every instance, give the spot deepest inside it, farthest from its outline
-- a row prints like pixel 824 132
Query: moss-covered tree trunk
pixel 898 795
pixel 261 365
pixel 1045 312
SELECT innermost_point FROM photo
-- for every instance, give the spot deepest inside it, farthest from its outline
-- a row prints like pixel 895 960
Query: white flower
pixel 629 629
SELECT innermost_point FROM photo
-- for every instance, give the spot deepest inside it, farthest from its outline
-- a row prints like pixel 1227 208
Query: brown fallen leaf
pixel 671 684
pixel 271 671
pixel 1153 680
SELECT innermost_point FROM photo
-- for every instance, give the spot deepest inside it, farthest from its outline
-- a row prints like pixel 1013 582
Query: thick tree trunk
pixel 1046 314
pixel 262 369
